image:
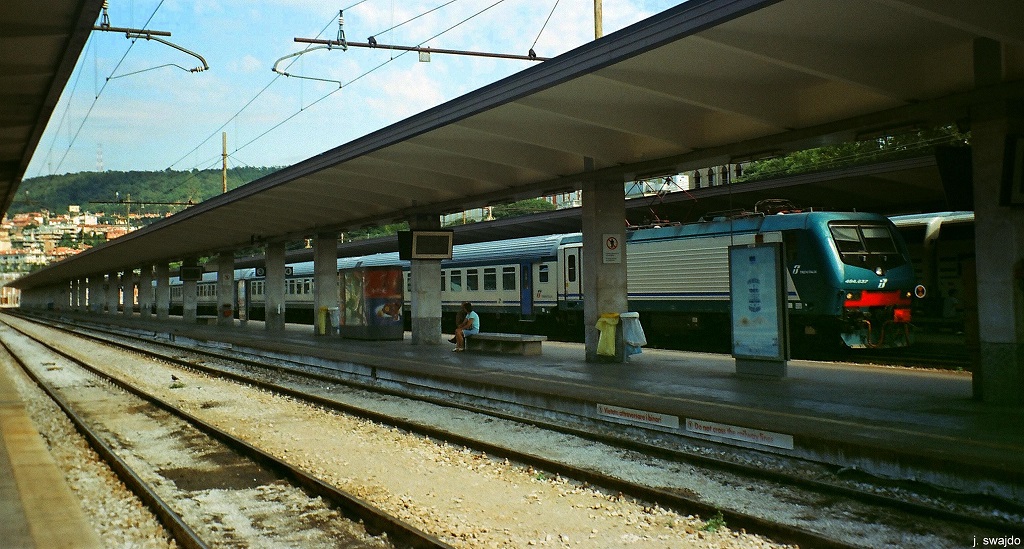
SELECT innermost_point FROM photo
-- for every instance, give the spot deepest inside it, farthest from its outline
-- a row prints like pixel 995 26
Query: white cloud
pixel 249 64
pixel 148 120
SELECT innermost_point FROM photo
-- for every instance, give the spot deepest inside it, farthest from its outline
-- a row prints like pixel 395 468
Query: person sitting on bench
pixel 470 326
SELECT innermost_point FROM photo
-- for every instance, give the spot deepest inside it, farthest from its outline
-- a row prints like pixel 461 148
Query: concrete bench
pixel 516 344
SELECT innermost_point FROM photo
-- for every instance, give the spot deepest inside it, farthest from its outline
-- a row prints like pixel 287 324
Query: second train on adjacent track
pixel 849 280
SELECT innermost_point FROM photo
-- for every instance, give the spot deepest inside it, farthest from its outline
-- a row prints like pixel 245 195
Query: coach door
pixel 570 288
pixel 526 291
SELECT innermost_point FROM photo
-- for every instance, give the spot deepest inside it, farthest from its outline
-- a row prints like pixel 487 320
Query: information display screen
pixel 425 244
pixel 191 273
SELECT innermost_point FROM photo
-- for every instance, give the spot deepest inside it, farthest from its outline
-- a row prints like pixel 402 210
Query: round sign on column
pixel 612 249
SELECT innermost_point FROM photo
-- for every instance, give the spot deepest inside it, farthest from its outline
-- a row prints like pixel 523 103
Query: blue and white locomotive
pixel 849 279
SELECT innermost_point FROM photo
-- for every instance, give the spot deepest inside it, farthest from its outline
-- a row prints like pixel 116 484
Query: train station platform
pixel 37 507
pixel 900 423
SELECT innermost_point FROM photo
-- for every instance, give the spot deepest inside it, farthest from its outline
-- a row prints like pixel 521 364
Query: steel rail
pixel 663 497
pixel 180 531
pixel 375 520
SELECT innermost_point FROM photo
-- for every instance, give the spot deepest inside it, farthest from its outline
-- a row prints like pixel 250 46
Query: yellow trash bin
pixel 607 324
pixel 321 321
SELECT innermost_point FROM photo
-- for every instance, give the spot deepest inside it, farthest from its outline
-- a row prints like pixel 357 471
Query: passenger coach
pixel 849 280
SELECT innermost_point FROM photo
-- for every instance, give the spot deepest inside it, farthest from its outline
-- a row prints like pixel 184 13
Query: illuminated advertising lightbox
pixel 758 298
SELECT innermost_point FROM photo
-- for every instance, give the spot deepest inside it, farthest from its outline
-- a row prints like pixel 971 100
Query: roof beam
pixel 996 19
pixel 494 157
pixel 447 164
pixel 500 150
pixel 861 73
pixel 512 121
pixel 386 167
pixel 645 124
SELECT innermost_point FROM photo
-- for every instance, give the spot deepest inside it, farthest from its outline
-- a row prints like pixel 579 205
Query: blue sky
pixel 170 118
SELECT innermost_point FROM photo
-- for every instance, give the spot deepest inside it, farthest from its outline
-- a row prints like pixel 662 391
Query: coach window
pixel 570 267
pixel 456 281
pixel 307 286
pixel 490 279
pixel 542 273
pixel 444 281
pixel 508 278
pixel 472 280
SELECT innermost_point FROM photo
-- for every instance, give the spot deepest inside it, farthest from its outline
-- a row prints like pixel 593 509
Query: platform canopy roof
pixel 40 43
pixel 704 83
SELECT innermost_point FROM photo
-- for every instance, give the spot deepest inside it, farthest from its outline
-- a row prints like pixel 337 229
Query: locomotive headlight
pixel 879 271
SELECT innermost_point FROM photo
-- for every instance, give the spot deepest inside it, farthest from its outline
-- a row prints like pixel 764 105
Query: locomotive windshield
pixel 868 245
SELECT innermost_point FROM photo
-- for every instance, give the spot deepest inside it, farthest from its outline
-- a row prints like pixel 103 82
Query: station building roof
pixel 40 43
pixel 705 83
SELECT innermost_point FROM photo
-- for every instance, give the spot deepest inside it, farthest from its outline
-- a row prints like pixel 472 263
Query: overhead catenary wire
pixel 372 43
pixel 432 10
pixel 360 77
pixel 542 27
pixel 150 69
pixel 100 92
pixel 250 101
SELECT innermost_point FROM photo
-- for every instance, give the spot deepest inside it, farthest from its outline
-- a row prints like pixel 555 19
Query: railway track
pixel 207 487
pixel 851 501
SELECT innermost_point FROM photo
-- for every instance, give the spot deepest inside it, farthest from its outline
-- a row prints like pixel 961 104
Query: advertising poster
pixel 384 296
pixel 352 292
pixel 757 302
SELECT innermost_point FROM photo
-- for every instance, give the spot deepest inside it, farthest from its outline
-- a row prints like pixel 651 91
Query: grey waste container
pixel 632 333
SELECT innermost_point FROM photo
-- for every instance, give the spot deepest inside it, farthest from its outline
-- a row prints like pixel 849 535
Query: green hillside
pixel 56 192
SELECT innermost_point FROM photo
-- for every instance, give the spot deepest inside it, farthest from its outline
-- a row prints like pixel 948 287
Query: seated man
pixel 470 326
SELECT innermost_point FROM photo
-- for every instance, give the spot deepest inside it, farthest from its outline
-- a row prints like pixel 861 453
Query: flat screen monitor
pixel 425 245
pixel 191 273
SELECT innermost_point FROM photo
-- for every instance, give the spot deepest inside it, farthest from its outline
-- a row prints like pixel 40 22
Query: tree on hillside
pixel 57 192
pixel 522 207
pixel 890 147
